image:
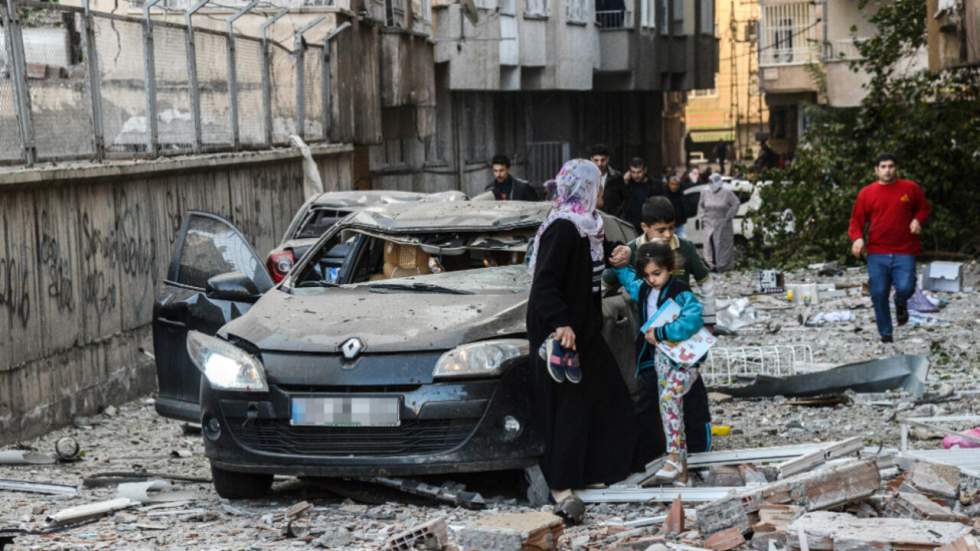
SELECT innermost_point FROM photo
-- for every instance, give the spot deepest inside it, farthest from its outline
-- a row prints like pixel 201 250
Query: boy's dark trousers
pixel 652 442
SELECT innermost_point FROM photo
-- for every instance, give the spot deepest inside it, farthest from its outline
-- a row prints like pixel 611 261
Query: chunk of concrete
pixel 934 479
pixel 511 532
pixel 725 540
pixel 826 531
pixel 918 506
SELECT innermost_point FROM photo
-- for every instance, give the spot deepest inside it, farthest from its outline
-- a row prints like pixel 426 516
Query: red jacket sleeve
pixel 922 205
pixel 858 218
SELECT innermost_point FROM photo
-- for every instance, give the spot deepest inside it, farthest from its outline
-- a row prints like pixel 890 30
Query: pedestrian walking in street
pixel 675 194
pixel 589 429
pixel 625 199
pixel 599 154
pixel 891 212
pixel 689 180
pixel 654 285
pixel 718 207
pixel 690 269
pixel 507 187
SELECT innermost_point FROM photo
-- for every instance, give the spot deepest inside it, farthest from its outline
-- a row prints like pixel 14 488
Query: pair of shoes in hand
pixel 562 363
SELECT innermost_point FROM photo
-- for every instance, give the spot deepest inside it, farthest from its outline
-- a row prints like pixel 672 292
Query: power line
pixel 760 50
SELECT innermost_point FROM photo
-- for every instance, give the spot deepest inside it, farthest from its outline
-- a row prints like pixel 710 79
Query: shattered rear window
pixel 318 221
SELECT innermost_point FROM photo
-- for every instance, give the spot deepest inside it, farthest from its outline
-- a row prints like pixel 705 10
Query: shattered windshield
pixel 359 257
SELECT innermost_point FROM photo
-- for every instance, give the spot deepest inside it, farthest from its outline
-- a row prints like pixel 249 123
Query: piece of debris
pixel 660 495
pixel 934 479
pixel 725 540
pixel 450 493
pixel 905 372
pixel 511 531
pixel 89 511
pixel 153 491
pixel 674 523
pixel 538 492
pixel 820 489
pixel 181 453
pixel 830 531
pixel 335 539
pixel 112 478
pixel 430 535
pixel 26 457
pixel 37 487
pixel 829 400
pixel 67 449
pixel 943 276
pixel 296 525
pixel 917 506
pixel 966 543
pixel 810 460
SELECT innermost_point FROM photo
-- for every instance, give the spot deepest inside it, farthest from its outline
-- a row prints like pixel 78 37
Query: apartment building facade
pixel 729 117
pixel 805 50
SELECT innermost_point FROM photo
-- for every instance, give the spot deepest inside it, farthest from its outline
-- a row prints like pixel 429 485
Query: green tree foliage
pixel 930 121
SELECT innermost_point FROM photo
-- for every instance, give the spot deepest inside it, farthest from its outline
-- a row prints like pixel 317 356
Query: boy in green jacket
pixel 657 223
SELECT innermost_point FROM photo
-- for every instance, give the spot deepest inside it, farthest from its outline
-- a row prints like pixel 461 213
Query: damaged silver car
pixel 397 346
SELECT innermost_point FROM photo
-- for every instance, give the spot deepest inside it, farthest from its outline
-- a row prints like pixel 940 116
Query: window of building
pixel 577 11
pixel 612 14
pixel 678 17
pixel 787 30
pixel 707 23
pixel 648 13
pixel 536 8
pixel 663 7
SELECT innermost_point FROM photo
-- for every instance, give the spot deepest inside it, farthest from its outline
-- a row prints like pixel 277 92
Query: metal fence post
pixel 299 46
pixel 15 45
pixel 149 69
pixel 267 77
pixel 94 82
pixel 233 75
pixel 325 79
pixel 194 91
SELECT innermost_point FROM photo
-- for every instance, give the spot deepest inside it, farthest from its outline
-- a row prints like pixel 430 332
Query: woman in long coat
pixel 718 207
pixel 589 427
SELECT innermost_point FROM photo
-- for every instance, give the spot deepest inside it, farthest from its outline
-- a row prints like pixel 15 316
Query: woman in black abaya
pixel 589 427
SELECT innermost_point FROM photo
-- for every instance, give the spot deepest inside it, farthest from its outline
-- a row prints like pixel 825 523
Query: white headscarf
pixel 714 182
pixel 576 195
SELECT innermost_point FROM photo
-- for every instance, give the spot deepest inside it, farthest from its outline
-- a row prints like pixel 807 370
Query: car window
pixel 327 262
pixel 318 221
pixel 211 247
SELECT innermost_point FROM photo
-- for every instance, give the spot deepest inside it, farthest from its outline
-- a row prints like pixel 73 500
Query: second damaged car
pixel 396 347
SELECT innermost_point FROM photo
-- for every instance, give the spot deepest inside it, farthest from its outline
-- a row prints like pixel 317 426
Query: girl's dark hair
pixel 656 252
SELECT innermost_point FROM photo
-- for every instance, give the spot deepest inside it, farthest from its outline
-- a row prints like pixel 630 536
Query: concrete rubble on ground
pixel 816 473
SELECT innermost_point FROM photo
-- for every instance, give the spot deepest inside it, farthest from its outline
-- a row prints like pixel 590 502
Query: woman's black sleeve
pixel 608 247
pixel 554 252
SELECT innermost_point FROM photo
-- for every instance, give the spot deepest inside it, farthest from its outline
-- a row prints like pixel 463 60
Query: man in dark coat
pixel 625 198
pixel 506 187
pixel 599 154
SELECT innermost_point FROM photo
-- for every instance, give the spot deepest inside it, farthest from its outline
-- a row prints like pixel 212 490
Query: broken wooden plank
pixel 37 487
pixel 820 456
pixel 829 486
pixel 826 531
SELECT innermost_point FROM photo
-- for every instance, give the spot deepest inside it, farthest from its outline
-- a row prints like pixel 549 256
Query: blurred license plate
pixel 346 412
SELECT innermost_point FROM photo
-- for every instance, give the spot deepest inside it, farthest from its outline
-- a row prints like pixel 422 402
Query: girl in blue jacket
pixel 655 262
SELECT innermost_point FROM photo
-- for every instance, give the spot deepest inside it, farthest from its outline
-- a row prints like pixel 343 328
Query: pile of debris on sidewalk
pixel 840 495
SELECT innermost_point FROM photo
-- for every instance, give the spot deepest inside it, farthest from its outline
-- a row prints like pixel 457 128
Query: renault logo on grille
pixel 351 348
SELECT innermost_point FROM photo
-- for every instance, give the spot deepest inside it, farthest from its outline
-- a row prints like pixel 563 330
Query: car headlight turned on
pixel 480 359
pixel 226 366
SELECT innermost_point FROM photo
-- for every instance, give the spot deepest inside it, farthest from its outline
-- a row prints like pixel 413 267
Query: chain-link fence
pixel 78 84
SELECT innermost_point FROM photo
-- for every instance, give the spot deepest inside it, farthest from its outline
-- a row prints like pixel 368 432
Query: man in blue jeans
pixel 893 212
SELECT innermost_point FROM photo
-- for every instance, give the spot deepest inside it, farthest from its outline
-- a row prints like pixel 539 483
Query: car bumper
pixel 446 427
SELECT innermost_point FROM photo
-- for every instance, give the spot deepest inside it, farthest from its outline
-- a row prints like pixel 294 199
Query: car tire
pixel 233 485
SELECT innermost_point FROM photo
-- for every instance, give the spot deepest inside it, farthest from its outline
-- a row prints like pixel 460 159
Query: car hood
pixel 319 320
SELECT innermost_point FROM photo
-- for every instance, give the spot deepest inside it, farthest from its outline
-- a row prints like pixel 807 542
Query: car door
pixel 619 323
pixel 207 245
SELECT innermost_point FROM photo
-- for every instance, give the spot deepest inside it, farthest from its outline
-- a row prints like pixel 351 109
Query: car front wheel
pixel 232 485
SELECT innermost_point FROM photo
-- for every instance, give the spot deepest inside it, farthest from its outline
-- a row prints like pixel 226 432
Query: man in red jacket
pixel 893 211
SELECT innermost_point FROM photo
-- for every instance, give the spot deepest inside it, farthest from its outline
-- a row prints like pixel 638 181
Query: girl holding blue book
pixel 652 289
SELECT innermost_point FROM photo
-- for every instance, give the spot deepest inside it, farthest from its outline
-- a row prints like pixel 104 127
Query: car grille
pixel 413 437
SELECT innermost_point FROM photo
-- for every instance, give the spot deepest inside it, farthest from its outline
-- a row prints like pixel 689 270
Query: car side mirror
pixel 234 286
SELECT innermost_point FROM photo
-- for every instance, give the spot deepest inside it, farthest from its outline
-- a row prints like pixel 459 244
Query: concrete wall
pixel 82 252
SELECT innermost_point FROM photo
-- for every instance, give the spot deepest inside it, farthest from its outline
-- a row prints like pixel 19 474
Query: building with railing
pixel 805 54
pixel 726 119
pixel 540 80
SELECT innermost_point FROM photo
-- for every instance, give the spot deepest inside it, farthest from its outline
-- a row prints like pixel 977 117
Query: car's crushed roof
pixel 450 216
pixel 367 198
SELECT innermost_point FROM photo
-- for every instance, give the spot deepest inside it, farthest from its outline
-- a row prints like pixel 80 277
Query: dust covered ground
pixel 132 437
